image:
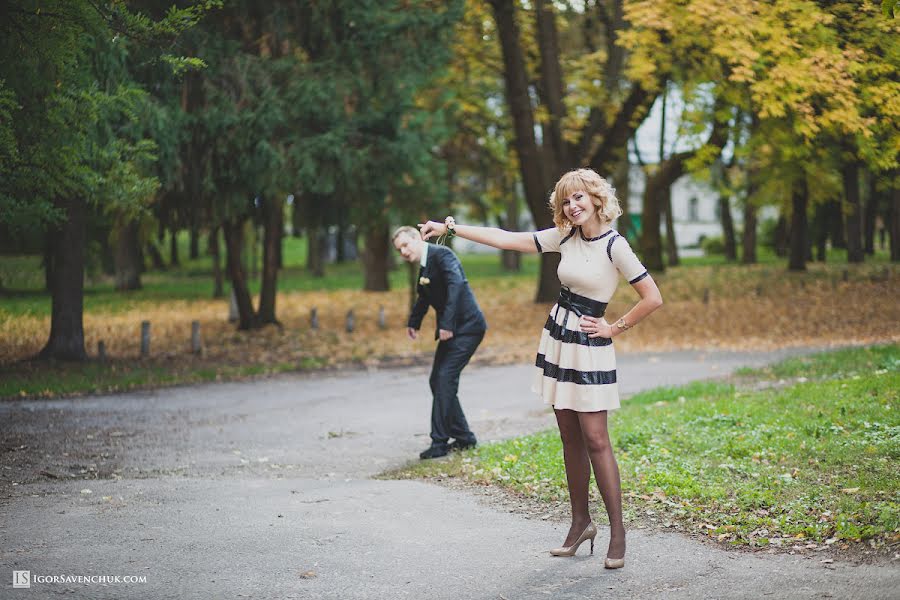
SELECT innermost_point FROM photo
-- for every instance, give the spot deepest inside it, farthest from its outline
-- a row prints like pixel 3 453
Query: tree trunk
pixel 749 239
pixel 215 252
pixel 234 241
pixel 870 215
pixel 195 241
pixel 658 185
pixel 727 228
pixel 781 237
pixel 651 242
pixel 65 268
pixel 127 257
pixel 552 90
pixel 273 223
pixel 836 221
pixel 315 233
pixel 799 245
pixel 820 231
pixel 341 237
pixel 173 248
pixel 511 260
pixel 894 223
pixel 194 250
pixel 671 242
pixel 530 166
pixel 850 174
pixel 315 251
pixel 621 181
pixel 156 257
pixel 375 258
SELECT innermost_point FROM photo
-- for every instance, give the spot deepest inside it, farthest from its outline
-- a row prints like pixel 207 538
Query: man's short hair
pixel 408 230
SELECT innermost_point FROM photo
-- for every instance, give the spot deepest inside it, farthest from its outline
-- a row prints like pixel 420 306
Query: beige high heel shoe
pixel 614 563
pixel 589 533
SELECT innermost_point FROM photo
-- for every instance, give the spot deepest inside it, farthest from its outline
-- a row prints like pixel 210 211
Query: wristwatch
pixel 621 324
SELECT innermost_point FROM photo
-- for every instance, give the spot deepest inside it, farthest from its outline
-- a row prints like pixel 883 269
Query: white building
pixel 695 210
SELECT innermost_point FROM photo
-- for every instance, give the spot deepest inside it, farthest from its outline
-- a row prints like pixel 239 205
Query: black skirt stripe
pixel 572 375
pixel 567 336
pixel 639 277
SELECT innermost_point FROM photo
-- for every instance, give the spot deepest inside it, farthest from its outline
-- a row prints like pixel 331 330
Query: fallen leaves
pixel 736 317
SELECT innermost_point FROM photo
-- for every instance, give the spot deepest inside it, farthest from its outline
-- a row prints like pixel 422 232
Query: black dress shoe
pixel 462 445
pixel 435 452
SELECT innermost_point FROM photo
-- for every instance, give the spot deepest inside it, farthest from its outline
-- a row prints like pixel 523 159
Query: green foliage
pixel 68 108
pixel 713 246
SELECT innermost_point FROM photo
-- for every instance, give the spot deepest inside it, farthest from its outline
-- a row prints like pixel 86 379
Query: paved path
pixel 238 490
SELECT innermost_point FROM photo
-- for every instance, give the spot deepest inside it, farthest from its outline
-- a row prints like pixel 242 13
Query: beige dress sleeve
pixel 625 260
pixel 548 240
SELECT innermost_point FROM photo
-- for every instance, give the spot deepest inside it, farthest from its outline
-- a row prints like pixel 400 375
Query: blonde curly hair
pixel 601 192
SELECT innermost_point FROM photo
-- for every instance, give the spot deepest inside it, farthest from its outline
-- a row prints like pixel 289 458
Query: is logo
pixel 21 579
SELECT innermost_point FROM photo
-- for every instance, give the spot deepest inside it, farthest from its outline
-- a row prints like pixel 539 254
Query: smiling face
pixel 409 247
pixel 580 196
pixel 579 208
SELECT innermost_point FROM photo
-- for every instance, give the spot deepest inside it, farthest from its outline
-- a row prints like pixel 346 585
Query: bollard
pixel 314 318
pixel 145 339
pixel 196 346
pixel 705 295
pixel 381 318
pixel 350 320
pixel 101 350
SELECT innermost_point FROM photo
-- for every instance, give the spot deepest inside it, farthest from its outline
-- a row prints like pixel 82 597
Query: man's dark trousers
pixel 447 418
pixel 443 285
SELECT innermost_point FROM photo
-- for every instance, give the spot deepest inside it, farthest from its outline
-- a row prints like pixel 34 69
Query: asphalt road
pixel 263 490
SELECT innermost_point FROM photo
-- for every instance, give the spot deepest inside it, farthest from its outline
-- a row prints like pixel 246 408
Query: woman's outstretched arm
pixel 520 241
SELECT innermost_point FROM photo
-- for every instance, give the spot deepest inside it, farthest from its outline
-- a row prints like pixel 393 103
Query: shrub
pixel 713 246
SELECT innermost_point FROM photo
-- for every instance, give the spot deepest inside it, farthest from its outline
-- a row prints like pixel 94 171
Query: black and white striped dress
pixel 574 371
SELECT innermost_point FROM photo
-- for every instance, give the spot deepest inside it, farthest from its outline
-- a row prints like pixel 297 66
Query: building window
pixel 693 209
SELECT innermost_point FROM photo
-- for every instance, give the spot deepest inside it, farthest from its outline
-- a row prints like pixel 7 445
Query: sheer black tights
pixel 586 443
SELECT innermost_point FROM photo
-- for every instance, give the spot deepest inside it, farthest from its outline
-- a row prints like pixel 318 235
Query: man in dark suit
pixel 460 328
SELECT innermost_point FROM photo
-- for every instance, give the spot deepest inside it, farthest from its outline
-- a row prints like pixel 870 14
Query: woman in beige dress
pixel 576 364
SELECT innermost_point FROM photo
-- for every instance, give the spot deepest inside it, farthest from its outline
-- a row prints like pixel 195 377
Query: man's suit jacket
pixel 449 293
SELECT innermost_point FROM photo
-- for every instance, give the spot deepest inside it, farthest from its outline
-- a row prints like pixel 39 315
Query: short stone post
pixel 145 339
pixel 196 346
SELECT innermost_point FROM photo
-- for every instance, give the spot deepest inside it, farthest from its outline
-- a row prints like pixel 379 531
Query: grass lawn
pixel 801 454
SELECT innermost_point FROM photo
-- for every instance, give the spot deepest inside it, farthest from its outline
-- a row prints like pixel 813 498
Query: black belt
pixel 580 305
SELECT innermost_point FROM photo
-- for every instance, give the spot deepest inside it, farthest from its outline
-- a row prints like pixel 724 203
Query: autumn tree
pixel 585 121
